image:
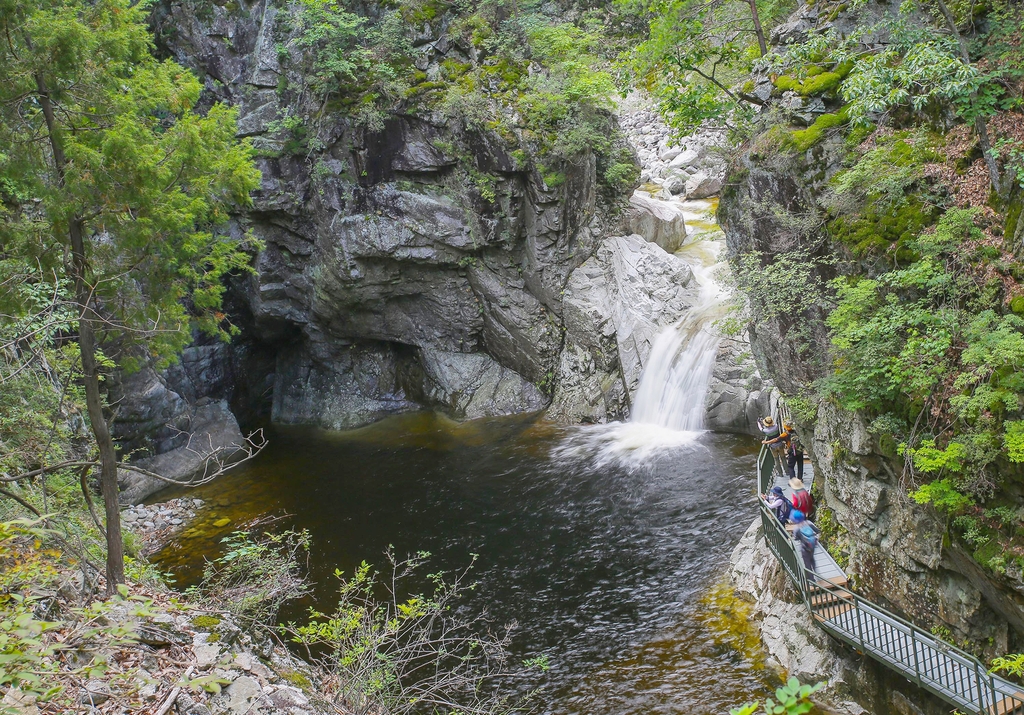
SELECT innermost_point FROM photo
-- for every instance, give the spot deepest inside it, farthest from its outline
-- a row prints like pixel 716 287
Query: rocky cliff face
pixel 896 548
pixel 898 552
pixel 418 262
pixel 414 263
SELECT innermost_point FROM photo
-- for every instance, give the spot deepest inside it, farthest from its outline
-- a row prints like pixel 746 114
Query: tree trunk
pixel 757 27
pixel 980 125
pixel 94 403
pixel 78 271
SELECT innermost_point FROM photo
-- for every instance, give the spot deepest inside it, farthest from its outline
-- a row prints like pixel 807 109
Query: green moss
pixel 833 536
pixel 1013 214
pixel 785 83
pixel 453 69
pixel 990 550
pixel 748 87
pixel 206 621
pixel 1017 304
pixel 836 10
pixel 816 80
pixel 824 82
pixel 804 139
pixel 878 231
pixel 296 678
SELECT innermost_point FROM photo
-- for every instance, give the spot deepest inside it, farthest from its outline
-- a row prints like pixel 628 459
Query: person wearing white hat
pixel 801 500
pixel 776 439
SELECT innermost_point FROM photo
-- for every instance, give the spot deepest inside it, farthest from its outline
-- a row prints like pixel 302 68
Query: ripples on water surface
pixel 602 542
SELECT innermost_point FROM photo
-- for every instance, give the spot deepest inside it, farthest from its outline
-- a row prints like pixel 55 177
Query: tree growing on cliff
pixel 111 179
pixel 695 53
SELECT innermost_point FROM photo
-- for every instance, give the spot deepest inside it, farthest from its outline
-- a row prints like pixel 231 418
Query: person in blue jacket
pixel 806 537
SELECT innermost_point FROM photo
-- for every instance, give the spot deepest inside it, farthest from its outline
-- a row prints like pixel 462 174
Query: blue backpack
pixel 808 536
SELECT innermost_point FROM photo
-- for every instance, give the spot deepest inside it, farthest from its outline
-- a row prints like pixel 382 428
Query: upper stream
pixel 604 543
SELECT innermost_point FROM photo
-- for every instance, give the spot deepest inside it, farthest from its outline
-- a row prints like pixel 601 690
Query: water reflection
pixel 603 566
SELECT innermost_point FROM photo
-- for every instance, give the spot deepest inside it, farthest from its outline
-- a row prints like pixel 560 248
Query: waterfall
pixel 668 409
pixel 678 370
pixel 675 379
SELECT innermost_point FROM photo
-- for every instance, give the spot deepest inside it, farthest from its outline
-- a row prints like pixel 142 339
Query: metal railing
pixel 933 664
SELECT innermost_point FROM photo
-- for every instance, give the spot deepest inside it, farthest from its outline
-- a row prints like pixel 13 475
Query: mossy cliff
pixel 882 269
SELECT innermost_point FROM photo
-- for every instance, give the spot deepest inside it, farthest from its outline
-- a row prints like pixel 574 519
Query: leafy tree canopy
pixel 147 177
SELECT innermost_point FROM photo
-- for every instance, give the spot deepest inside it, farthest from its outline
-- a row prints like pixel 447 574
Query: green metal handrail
pixel 930 662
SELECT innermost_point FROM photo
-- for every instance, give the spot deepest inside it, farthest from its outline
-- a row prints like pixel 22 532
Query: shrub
pixel 386 652
pixel 257 574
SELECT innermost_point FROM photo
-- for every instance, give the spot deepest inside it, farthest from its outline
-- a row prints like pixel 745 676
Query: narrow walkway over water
pixel 939 667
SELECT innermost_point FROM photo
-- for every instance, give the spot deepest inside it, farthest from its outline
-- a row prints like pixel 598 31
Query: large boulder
pixel 212 439
pixel 737 395
pixel 473 385
pixel 660 222
pixel 614 306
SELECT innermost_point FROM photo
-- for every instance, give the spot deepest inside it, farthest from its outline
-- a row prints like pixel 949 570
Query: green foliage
pixel 788 284
pixel 362 65
pixel 928 458
pixel 32 648
pixel 944 495
pixel 257 574
pixel 1013 440
pixel 794 699
pixel 930 339
pixel 146 177
pixel 884 173
pixel 916 70
pixel 694 52
pixel 1012 664
pixel 386 651
pixel 892 336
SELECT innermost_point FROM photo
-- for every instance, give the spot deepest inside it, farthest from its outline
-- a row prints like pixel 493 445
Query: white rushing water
pixel 668 408
pixel 678 371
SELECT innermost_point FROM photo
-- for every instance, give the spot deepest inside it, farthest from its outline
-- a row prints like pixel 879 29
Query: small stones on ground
pixel 207 653
pixel 20 702
pixel 157 523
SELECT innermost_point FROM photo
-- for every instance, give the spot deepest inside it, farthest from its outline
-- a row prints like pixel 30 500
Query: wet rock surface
pixel 738 395
pixel 614 305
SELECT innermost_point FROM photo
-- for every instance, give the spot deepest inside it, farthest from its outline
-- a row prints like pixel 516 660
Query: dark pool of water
pixel 607 569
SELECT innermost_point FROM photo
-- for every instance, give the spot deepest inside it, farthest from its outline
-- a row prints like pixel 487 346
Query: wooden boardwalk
pixel 939 667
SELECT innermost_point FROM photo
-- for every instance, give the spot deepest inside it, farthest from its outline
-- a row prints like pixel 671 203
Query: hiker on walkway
pixel 794 455
pixel 776 439
pixel 806 537
pixel 802 499
pixel 779 504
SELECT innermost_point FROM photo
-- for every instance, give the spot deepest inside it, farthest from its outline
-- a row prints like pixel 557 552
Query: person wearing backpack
pixel 778 503
pixel 802 499
pixel 794 456
pixel 806 537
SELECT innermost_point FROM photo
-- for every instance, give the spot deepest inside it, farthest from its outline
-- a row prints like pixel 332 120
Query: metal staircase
pixel 939 667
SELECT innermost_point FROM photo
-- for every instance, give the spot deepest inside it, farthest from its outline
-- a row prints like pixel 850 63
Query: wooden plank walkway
pixel 939 667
